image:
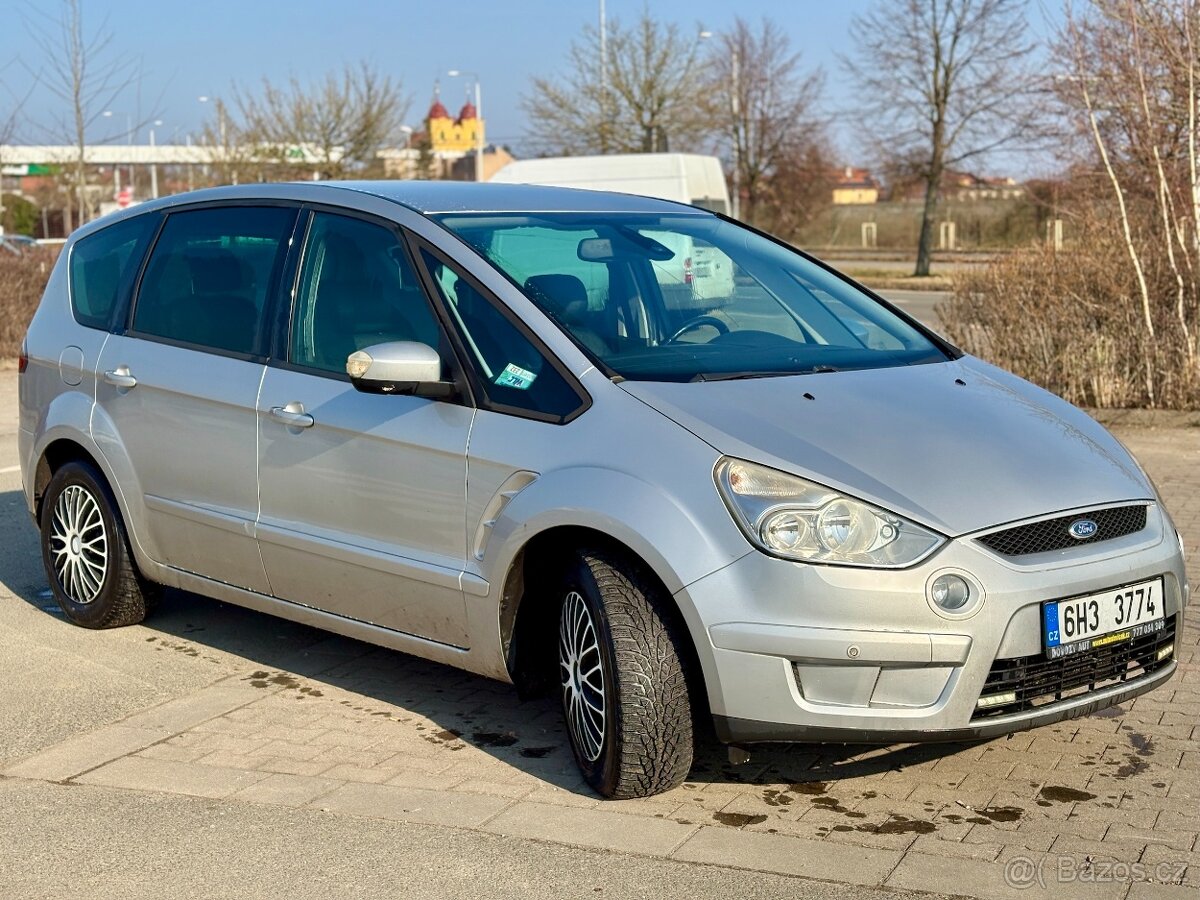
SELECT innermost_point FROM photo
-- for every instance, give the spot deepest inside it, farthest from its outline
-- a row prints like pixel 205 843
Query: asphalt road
pixel 919 304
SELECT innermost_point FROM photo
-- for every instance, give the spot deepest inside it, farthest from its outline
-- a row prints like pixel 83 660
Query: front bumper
pixel 793 652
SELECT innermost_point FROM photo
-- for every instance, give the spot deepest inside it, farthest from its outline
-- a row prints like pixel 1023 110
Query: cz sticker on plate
pixel 1099 620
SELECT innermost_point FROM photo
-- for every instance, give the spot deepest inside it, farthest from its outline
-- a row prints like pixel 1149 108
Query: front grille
pixel 1038 681
pixel 1053 534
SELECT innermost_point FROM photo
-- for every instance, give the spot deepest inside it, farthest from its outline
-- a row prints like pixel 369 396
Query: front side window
pixel 210 275
pixel 102 265
pixel 690 297
pixel 357 288
pixel 516 375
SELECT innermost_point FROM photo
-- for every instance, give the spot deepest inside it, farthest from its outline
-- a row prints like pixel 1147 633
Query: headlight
pixel 796 519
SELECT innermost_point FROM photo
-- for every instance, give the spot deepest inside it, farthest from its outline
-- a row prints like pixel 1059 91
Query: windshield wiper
pixel 738 376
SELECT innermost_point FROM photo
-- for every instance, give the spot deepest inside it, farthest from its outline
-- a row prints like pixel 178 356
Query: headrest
pixel 218 273
pixel 562 295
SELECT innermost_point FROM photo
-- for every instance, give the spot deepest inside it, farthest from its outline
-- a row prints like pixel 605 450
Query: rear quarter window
pixel 103 267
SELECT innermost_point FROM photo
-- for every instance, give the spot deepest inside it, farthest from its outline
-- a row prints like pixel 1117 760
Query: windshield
pixel 685 297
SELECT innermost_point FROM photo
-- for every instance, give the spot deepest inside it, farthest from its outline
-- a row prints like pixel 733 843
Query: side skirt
pixel 459 657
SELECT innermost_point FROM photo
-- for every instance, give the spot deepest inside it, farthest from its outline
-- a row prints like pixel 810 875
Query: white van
pixel 696 269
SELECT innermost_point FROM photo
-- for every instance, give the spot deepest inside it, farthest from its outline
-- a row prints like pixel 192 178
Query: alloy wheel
pixel 582 675
pixel 79 544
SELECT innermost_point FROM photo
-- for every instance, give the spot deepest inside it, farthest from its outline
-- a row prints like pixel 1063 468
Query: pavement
pixel 214 751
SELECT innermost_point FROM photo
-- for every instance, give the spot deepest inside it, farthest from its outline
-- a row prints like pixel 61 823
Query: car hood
pixel 957 446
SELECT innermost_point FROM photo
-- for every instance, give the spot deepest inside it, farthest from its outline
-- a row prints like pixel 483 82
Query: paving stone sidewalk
pixel 1107 806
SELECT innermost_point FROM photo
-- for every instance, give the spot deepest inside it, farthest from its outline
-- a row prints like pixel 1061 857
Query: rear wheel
pixel 622 675
pixel 86 552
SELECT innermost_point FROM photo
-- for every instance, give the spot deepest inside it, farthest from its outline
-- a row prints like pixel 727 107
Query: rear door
pixel 363 495
pixel 177 392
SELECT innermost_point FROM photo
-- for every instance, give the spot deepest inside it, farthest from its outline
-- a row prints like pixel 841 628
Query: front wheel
pixel 86 554
pixel 624 687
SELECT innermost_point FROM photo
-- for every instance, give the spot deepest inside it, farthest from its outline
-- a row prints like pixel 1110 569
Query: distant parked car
pixel 16 243
pixel 468 422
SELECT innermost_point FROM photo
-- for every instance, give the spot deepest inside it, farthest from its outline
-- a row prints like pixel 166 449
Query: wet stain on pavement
pixel 776 798
pixel 737 820
pixel 830 803
pixel 989 814
pixel 1062 795
pixel 810 788
pixel 493 739
pixel 899 825
pixel 537 752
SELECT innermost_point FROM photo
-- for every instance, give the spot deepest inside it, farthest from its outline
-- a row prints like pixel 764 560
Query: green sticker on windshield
pixel 515 377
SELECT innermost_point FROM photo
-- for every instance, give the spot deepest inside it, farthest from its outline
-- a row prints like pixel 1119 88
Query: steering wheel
pixel 699 322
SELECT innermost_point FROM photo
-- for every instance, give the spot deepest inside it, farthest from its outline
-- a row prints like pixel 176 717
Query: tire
pixel 86 552
pixel 623 678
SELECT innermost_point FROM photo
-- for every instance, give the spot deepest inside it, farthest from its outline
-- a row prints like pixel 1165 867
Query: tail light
pixel 687 271
pixel 23 360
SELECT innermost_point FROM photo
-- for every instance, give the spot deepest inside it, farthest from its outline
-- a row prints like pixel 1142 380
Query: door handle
pixel 121 377
pixel 292 415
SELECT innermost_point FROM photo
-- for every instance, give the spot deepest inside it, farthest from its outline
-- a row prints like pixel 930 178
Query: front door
pixel 363 496
pixel 176 394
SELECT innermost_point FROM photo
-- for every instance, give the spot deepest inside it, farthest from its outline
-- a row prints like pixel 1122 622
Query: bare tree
pixel 83 70
pixel 764 106
pixel 642 94
pixel 332 126
pixel 1133 84
pixel 942 82
pixel 10 120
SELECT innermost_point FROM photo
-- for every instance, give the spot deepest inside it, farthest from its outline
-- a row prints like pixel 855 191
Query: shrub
pixel 22 280
pixel 1073 323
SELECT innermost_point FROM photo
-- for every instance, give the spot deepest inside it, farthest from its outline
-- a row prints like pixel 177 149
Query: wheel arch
pixel 674 537
pixel 529 615
pixel 63 444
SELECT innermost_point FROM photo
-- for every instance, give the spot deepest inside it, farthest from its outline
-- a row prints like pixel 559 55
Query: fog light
pixel 1165 652
pixel 996 700
pixel 950 592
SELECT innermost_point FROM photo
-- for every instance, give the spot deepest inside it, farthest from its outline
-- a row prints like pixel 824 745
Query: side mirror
pixel 399 367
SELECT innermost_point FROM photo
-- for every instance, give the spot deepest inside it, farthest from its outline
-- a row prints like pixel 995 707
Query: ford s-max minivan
pixel 785 507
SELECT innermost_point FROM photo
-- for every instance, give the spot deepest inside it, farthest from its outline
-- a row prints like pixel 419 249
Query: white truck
pixel 696 269
pixel 685 177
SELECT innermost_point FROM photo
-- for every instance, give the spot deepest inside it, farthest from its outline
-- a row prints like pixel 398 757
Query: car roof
pixel 469 196
pixel 425 197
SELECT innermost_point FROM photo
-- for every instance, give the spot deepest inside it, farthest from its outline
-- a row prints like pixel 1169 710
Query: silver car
pixel 507 429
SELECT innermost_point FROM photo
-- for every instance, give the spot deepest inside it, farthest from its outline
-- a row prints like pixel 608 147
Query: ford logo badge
pixel 1082 529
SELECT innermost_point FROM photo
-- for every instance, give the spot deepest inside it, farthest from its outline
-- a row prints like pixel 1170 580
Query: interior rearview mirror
pixel 399 367
pixel 629 243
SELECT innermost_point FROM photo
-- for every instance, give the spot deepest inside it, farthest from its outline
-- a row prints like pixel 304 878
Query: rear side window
pixel 102 267
pixel 210 274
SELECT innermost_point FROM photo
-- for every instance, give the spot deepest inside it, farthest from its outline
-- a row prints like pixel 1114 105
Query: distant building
pixel 964 187
pixel 446 134
pixel 851 185
pixel 445 148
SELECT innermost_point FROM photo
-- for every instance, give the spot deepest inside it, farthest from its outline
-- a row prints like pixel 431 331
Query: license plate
pixel 1098 620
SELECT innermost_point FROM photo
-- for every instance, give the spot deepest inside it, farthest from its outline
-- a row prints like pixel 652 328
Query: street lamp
pixel 454 73
pixel 204 98
pixel 735 111
pixel 108 114
pixel 154 163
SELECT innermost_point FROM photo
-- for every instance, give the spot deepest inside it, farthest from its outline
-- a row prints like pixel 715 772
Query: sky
pixel 193 49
